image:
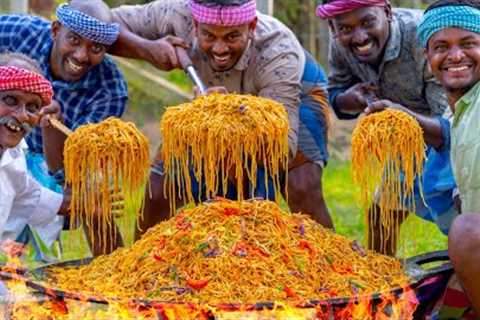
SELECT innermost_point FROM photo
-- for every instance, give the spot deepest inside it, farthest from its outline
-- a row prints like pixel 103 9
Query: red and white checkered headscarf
pixel 13 78
pixel 225 16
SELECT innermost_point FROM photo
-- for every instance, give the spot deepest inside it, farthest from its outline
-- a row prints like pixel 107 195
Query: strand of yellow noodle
pixel 111 157
pixel 218 140
pixel 388 151
pixel 175 250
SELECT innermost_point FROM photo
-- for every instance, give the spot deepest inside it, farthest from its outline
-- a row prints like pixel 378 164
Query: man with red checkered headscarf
pixel 23 95
pixel 237 49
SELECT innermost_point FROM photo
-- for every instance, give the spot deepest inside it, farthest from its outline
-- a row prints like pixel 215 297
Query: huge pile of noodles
pixel 231 251
pixel 222 137
pixel 104 162
pixel 388 151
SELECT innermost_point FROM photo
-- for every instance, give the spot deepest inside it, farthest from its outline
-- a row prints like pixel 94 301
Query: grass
pixel 417 235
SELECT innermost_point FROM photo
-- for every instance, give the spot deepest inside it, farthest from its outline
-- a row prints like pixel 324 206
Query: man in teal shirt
pixel 450 32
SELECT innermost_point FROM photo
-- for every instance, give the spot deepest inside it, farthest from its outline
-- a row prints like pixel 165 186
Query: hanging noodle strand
pixel 102 161
pixel 388 151
pixel 224 137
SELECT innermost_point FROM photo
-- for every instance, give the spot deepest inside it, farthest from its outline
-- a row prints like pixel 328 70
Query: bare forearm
pixel 53 143
pixel 432 129
pixel 65 207
pixel 129 45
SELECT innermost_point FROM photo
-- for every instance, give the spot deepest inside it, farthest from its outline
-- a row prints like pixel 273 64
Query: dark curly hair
pixel 444 3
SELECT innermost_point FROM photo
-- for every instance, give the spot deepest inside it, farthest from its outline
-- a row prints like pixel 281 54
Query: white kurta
pixel 22 199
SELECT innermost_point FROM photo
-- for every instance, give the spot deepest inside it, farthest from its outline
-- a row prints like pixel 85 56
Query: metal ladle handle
pixel 189 68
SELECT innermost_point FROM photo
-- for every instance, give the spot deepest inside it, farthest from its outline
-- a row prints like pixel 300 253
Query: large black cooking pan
pixel 426 281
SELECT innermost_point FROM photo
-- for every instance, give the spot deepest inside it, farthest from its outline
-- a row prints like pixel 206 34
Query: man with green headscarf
pixel 450 32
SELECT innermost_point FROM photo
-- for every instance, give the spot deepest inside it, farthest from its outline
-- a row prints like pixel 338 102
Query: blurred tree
pixel 42 7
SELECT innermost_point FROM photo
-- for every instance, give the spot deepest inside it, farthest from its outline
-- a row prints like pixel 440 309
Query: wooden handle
pixel 59 126
pixel 183 57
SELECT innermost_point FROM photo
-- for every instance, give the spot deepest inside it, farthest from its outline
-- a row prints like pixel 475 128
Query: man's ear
pixel 331 27
pixel 56 25
pixel 252 26
pixel 425 53
pixel 388 11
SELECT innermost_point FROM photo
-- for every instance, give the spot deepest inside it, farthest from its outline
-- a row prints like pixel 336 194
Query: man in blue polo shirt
pixel 88 85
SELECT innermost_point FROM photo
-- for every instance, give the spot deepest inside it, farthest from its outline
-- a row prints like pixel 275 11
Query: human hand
pixel 357 98
pixel 210 90
pixel 12 248
pixel 117 203
pixel 380 105
pixel 53 110
pixel 162 54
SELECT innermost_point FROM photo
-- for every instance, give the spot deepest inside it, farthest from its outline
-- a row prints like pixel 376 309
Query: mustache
pixel 8 119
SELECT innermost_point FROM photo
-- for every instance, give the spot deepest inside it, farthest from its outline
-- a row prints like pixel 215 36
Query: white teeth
pixel 13 127
pixel 73 66
pixel 456 69
pixel 365 47
pixel 221 59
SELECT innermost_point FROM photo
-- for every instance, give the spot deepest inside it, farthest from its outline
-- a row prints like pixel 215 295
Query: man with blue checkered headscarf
pixel 88 85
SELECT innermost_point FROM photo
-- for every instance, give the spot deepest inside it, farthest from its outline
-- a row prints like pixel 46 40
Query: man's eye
pixel 345 29
pixel 33 107
pixel 368 23
pixel 233 37
pixel 470 44
pixel 208 36
pixel 10 100
pixel 97 49
pixel 72 39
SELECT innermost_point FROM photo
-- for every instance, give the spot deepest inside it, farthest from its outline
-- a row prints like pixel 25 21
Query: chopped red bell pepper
pixel 304 244
pixel 197 284
pixel 231 212
pixel 157 257
pixel 290 293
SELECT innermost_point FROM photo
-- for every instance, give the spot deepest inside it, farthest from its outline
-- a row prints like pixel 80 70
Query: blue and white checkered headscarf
pixel 453 16
pixel 87 26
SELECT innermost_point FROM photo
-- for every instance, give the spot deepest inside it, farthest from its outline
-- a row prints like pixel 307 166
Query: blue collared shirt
pixel 101 93
pixel 436 203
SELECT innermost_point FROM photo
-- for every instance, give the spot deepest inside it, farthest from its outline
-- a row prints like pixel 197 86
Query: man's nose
pixel 359 36
pixel 219 47
pixel 21 114
pixel 456 54
pixel 81 54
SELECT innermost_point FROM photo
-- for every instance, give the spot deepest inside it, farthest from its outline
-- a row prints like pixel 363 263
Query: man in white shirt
pixel 23 97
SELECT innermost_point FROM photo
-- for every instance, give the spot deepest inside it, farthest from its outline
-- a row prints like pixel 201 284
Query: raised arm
pixel 146 33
